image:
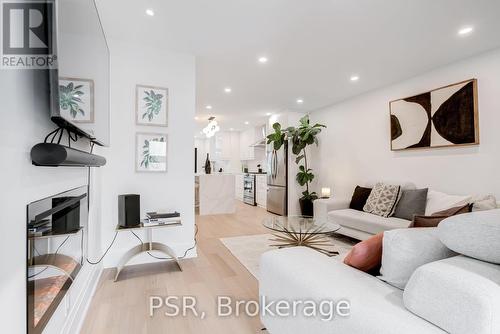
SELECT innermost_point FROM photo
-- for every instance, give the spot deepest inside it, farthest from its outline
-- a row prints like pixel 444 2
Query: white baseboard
pixel 75 320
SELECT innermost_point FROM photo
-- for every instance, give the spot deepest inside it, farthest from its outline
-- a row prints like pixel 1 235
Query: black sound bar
pixel 55 155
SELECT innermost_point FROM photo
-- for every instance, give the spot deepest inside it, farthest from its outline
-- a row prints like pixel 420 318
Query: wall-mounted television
pixel 80 84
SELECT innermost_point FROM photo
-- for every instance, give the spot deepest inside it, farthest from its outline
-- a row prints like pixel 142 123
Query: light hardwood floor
pixel 123 307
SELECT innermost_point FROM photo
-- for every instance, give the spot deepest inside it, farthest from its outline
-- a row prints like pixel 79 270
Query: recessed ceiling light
pixel 209 107
pixel 247 122
pixel 300 101
pixel 150 12
pixel 263 60
pixel 231 129
pixel 268 114
pixel 195 118
pixel 228 90
pixel 465 31
pixel 354 78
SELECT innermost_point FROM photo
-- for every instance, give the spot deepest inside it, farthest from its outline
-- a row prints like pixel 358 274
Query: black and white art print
pixel 446 116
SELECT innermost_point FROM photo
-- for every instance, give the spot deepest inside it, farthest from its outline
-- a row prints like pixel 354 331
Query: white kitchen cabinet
pixel 247 138
pixel 238 186
pixel 226 145
pixel 261 190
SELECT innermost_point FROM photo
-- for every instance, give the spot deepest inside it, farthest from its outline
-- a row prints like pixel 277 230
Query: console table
pixel 148 245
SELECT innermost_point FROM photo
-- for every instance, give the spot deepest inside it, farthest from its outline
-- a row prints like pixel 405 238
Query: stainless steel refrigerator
pixel 277 176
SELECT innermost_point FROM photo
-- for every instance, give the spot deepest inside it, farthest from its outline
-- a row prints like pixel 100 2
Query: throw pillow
pixel 482 203
pixel 436 218
pixel 412 203
pixel 437 201
pixel 366 255
pixel 359 198
pixel 404 250
pixel 474 234
pixel 383 199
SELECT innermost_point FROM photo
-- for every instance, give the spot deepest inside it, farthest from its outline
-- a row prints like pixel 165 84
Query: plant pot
pixel 306 207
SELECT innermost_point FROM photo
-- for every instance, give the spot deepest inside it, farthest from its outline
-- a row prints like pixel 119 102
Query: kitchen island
pixel 216 193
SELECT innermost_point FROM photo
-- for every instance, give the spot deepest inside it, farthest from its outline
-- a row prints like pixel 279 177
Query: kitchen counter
pixel 216 193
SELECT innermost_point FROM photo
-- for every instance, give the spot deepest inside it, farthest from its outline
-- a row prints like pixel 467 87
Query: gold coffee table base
pixel 309 238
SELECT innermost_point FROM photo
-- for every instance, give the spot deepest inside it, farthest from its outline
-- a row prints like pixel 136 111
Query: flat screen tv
pixel 80 84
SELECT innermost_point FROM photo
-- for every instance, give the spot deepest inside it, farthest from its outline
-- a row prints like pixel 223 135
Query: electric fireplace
pixel 56 245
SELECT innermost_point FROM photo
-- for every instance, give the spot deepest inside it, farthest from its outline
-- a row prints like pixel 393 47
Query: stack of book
pixel 157 218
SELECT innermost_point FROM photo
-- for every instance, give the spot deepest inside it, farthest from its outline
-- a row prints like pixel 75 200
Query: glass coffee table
pixel 302 231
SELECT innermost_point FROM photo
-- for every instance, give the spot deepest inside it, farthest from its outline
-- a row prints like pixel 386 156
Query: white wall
pixel 25 122
pixel 356 145
pixel 174 190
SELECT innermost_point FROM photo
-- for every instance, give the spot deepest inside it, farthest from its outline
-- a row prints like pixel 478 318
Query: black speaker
pixel 129 210
pixel 68 219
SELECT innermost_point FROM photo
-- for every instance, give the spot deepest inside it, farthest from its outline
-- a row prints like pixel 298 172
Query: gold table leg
pixel 308 238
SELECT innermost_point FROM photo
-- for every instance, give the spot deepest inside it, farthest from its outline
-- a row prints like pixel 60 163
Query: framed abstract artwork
pixel 444 117
pixel 151 105
pixel 76 99
pixel 151 152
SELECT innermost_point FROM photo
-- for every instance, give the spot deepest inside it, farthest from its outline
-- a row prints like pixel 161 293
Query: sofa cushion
pixel 475 234
pixel 366 255
pixel 482 203
pixel 438 217
pixel 359 198
pixel 438 201
pixel 405 250
pixel 412 203
pixel 459 294
pixel 383 199
pixel 366 222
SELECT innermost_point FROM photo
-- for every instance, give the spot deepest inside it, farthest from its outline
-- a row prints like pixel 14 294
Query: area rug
pixel 248 249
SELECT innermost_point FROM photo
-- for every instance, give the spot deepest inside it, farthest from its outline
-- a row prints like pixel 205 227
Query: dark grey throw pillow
pixel 412 203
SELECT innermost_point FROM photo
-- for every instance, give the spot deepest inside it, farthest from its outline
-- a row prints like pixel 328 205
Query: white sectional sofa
pixel 444 279
pixel 463 296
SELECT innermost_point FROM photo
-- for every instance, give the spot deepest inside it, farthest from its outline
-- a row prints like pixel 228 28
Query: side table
pixel 148 246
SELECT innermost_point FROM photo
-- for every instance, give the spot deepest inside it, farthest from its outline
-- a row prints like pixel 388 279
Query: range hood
pixel 55 155
pixel 260 133
pixel 259 143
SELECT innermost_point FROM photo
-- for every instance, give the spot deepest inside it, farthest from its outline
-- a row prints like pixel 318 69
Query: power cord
pixel 142 243
pixel 170 258
pixel 106 252
pixel 72 137
pixel 57 251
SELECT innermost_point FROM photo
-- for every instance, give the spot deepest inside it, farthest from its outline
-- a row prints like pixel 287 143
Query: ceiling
pixel 313 46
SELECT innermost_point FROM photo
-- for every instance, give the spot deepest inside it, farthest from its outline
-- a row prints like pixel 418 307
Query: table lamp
pixel 325 192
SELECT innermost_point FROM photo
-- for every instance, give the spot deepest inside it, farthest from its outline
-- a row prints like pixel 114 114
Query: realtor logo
pixel 27 35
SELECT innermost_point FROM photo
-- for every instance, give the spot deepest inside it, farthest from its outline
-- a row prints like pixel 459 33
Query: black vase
pixel 208 168
pixel 306 207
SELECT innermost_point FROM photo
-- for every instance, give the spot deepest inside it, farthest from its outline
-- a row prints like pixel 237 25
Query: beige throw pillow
pixel 383 199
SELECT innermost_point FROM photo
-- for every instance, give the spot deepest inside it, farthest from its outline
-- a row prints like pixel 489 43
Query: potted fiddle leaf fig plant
pixel 300 137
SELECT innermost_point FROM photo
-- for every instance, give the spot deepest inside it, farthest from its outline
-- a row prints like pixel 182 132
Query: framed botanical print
pixel 76 99
pixel 151 152
pixel 444 117
pixel 151 105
